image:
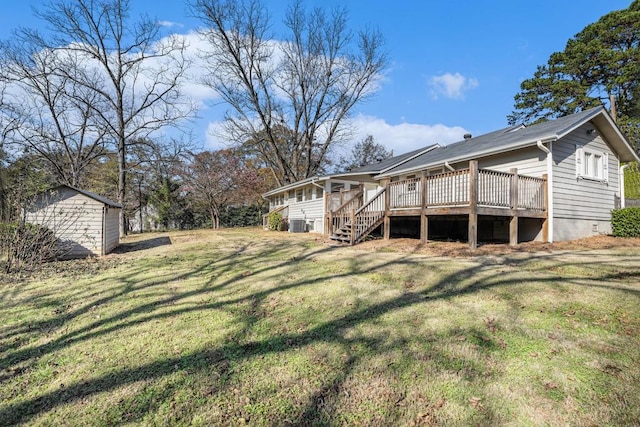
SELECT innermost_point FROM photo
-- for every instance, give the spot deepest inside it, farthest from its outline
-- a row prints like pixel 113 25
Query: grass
pixel 247 327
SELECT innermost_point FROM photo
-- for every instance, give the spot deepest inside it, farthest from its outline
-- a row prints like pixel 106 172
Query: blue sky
pixel 455 65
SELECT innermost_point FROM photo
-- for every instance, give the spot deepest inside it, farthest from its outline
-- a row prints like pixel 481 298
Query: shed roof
pixel 91 195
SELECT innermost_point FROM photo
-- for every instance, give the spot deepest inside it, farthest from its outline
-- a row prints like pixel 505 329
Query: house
pixel 557 180
pixel 145 218
pixel 85 223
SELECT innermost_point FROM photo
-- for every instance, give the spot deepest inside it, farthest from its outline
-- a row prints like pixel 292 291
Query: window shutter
pixel 579 161
pixel 605 167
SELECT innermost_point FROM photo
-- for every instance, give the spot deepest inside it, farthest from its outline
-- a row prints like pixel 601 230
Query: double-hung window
pixel 591 164
pixel 411 187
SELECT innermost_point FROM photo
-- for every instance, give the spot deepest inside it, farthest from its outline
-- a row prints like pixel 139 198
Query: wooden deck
pixel 470 192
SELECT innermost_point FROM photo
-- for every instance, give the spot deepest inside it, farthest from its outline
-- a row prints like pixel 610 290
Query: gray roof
pixel 94 196
pixel 516 137
pixel 392 161
pixel 503 140
pixel 370 170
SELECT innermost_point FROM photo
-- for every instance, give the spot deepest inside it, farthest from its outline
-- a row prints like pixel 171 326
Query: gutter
pixel 466 157
pixel 547 151
pixel 621 180
pixel 448 166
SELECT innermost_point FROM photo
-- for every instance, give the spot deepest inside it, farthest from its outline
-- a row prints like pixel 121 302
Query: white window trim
pixel 587 155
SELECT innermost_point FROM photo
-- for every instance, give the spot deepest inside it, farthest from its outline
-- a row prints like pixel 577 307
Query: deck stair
pixel 361 222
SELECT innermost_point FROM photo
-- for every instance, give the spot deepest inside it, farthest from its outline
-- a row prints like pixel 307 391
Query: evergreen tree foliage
pixel 599 66
pixel 364 152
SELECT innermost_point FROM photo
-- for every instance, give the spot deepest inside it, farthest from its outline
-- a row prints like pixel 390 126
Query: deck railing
pixel 339 217
pixel 368 216
pixel 531 194
pixel 405 194
pixel 338 199
pixel 448 189
pixel 494 189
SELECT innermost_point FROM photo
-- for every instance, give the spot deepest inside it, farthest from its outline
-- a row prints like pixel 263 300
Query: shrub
pixel 626 222
pixel 632 181
pixel 26 246
pixel 275 222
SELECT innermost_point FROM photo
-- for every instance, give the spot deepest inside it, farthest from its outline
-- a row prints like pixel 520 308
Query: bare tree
pixel 288 100
pixel 134 71
pixel 49 113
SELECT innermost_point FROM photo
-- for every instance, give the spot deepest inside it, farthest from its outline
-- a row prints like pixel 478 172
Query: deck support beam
pixel 424 219
pixel 513 201
pixel 387 218
pixel 473 204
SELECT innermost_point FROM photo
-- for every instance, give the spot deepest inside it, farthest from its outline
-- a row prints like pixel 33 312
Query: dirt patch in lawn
pixel 461 249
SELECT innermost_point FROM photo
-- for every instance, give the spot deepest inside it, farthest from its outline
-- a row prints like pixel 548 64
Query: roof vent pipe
pixel 467 136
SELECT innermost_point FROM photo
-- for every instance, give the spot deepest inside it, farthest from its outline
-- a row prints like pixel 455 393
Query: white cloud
pixel 170 24
pixel 451 85
pixel 405 137
pixel 400 138
pixel 215 139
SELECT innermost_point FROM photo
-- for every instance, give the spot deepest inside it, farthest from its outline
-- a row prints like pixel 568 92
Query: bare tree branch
pixel 289 101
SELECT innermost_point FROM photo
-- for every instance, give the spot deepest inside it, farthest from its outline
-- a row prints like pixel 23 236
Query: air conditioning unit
pixel 297 226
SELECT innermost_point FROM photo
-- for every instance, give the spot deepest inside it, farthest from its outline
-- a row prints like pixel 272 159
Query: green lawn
pixel 250 327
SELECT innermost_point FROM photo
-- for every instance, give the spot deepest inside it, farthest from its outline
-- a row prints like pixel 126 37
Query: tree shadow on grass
pixel 142 245
pixel 239 347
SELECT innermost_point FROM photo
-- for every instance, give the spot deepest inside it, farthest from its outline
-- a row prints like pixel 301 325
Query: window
pixel 319 192
pixel 591 164
pixel 308 194
pixel 412 185
pixel 299 194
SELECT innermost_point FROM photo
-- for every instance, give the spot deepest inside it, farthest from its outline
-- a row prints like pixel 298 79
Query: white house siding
pixel 112 229
pixel 312 211
pixel 370 190
pixel 530 161
pixel 582 207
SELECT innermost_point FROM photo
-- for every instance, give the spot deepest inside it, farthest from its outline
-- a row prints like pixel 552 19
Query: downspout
pixel 448 166
pixel 549 185
pixel 621 178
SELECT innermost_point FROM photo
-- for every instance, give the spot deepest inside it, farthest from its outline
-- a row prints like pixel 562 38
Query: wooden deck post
pixel 387 217
pixel 327 215
pixel 545 223
pixel 352 235
pixel 513 201
pixel 473 204
pixel 424 219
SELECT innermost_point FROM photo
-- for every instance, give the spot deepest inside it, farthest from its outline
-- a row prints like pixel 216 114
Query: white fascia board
pixel 472 156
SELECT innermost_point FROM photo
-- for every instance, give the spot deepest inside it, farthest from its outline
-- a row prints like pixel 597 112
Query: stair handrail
pixel 343 211
pixel 375 196
pixel 345 204
pixel 361 230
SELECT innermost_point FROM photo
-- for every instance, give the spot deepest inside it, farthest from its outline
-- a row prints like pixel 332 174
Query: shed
pixel 88 224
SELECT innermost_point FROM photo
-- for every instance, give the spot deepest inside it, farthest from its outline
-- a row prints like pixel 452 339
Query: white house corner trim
pixel 621 185
pixel 549 153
